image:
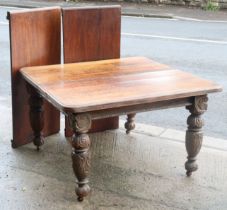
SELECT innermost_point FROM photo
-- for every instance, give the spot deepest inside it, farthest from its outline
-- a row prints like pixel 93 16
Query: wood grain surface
pixel 35 40
pixel 89 86
pixel 91 34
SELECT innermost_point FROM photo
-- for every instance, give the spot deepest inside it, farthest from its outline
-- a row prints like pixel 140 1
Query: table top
pixel 106 84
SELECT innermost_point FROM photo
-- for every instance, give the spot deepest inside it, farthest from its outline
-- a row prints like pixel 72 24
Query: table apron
pixel 99 114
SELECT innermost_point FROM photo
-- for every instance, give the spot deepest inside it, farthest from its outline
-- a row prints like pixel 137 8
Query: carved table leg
pixel 194 134
pixel 130 124
pixel 80 153
pixel 36 115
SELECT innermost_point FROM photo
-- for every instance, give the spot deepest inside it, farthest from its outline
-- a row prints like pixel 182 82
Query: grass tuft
pixel 211 6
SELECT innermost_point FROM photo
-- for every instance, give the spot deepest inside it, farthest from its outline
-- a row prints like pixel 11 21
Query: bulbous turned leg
pixel 36 115
pixel 194 134
pixel 80 152
pixel 130 123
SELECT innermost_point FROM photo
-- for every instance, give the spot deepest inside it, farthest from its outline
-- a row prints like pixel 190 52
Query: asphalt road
pixel 196 47
pixel 199 47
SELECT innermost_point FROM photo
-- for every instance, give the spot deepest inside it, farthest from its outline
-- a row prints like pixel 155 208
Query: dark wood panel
pixel 92 34
pixel 111 88
pixel 35 40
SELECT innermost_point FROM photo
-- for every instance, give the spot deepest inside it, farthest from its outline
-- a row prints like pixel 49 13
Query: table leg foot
pixel 81 153
pixel 130 123
pixel 194 134
pixel 36 116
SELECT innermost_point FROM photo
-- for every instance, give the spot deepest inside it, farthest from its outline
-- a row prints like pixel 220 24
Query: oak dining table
pixel 87 91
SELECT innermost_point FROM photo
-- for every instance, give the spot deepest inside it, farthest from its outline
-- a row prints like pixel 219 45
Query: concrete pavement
pixel 176 135
pixel 132 9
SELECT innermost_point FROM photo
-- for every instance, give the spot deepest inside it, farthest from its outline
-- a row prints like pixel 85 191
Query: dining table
pixel 86 91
